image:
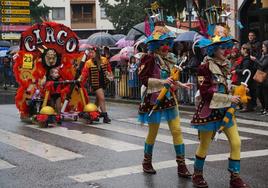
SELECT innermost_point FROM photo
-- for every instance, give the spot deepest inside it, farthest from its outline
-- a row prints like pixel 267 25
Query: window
pixel 103 13
pixel 82 13
pixel 58 13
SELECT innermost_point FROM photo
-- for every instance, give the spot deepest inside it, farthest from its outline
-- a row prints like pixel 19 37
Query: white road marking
pixel 5 165
pixel 243 121
pixel 139 133
pixel 92 139
pixel 46 151
pixel 253 131
pixel 187 130
pixel 159 165
pixel 252 122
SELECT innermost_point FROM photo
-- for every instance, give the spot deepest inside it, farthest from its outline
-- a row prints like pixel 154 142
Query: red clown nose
pixel 165 48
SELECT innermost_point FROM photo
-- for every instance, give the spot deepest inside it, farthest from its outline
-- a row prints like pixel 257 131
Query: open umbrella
pixel 83 47
pixel 3 51
pixel 126 53
pixel 136 31
pixel 82 41
pixel 189 36
pixel 117 37
pixel 13 49
pixel 4 43
pixel 101 39
pixel 124 43
pixel 115 58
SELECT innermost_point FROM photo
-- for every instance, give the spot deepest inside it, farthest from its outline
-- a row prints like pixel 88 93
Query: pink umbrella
pixel 83 47
pixel 124 43
pixel 115 58
pixel 126 53
pixel 82 41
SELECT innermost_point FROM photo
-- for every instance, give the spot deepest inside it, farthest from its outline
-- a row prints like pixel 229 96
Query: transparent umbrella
pixel 117 37
pixel 4 43
pixel 101 39
pixel 189 36
pixel 136 31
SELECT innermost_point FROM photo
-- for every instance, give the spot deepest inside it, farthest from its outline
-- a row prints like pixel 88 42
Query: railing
pixel 126 88
pixel 83 20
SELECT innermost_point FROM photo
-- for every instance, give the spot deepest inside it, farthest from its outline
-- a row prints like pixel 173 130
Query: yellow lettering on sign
pixel 16 3
pixel 27 61
pixel 16 20
pixel 16 11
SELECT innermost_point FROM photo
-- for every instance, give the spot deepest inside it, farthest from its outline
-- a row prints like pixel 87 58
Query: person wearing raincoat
pixel 155 74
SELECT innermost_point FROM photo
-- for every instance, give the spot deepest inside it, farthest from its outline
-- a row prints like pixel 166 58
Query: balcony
pixel 83 16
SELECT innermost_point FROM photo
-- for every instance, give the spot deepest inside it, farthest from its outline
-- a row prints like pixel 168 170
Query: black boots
pixel 147 164
pixel 182 169
pixel 106 119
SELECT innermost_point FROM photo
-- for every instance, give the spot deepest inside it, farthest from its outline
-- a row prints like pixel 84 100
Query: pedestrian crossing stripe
pixel 124 171
pixel 46 151
pixel 187 130
pixel 5 165
pixel 101 141
pixel 139 133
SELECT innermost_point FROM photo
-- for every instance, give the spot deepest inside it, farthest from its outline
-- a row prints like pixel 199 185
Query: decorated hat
pixel 160 33
pixel 220 38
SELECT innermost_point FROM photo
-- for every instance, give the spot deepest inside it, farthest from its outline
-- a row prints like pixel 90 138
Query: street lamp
pixel 189 8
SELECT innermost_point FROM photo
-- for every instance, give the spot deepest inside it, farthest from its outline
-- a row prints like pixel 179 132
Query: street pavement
pixel 110 155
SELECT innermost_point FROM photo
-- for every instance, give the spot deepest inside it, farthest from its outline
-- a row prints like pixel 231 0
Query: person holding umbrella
pixel 216 99
pixel 154 73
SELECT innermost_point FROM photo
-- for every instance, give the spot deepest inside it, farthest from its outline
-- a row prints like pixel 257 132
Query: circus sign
pixel 51 35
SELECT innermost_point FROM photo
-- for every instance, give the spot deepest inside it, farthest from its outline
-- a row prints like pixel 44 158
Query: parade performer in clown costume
pixel 216 103
pixel 155 74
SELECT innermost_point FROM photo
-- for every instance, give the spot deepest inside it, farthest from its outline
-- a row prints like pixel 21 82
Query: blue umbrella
pixel 189 36
pixel 3 51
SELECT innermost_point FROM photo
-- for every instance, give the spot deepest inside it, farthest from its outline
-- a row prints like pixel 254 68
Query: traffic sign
pixel 15 11
pixel 11 36
pixel 16 20
pixel 15 3
pixel 5 28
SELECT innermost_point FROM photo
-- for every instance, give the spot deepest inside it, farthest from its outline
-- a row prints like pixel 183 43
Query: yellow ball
pixel 90 107
pixel 48 110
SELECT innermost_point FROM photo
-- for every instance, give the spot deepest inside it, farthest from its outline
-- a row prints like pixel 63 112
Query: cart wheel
pixel 75 118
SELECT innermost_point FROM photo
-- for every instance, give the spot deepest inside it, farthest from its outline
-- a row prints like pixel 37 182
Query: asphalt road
pixel 110 155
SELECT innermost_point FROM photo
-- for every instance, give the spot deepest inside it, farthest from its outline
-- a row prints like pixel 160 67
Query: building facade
pixel 83 16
